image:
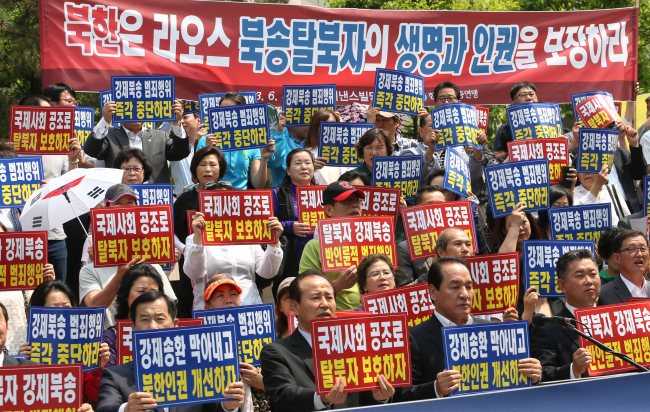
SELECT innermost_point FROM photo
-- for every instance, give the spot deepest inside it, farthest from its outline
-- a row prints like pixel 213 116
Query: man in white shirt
pixel 631 253
pixel 558 349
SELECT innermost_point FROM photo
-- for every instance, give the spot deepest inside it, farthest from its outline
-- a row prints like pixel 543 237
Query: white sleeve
pixel 179 131
pixel 645 146
pixel 267 263
pixel 122 408
pixel 194 265
pixel 587 199
pixel 178 244
pixel 100 131
pixel 318 403
pixel 571 375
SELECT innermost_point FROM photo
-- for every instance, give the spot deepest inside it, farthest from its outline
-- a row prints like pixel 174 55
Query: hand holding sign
pixel 178 111
pixel 336 396
pixel 447 381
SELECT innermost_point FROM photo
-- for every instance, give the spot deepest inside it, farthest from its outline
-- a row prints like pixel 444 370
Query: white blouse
pixel 582 196
pixel 328 174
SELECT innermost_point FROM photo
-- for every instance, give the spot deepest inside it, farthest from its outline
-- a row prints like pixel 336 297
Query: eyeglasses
pixel 386 273
pixel 635 250
pixel 301 164
pixel 135 169
pixel 70 102
pixel 352 201
pixel 524 95
pixel 446 99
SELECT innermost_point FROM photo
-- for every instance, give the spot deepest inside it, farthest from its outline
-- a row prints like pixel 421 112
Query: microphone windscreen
pixel 538 319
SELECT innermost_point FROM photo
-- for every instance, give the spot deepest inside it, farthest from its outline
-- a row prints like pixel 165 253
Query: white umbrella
pixel 63 198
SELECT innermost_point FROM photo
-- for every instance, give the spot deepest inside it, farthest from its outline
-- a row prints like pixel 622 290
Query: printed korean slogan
pixel 398 92
pixel 496 282
pixel 143 98
pixel 398 171
pixel 483 118
pixel 457 123
pixel 555 150
pixel 540 261
pixel 120 234
pixel 580 97
pixel 84 122
pixel 624 327
pixel 597 113
pixel 412 300
pixel 336 142
pixel 584 222
pixel 41 130
pixel 380 201
pixel 19 177
pixel 41 388
pixel 106 96
pixel 457 176
pixel 239 127
pixel 310 205
pixel 190 106
pixel 254 327
pixel 209 101
pixel 261 47
pixel 299 103
pixel 22 256
pixel 154 193
pixel 596 149
pixel 424 223
pixel 185 366
pixel 360 348
pixel 66 335
pixel 237 217
pixel 534 120
pixel 487 356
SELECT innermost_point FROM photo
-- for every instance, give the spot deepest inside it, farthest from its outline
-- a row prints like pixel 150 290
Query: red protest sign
pixel 344 241
pixel 496 282
pixel 380 201
pixel 631 299
pixel 293 321
pixel 414 301
pixel 22 256
pixel 423 224
pixel 42 130
pixel 624 327
pixel 237 217
pixel 41 387
pixel 359 349
pixel 122 233
pixel 310 205
pixel 483 117
pixel 190 218
pixel 597 113
pixel 555 150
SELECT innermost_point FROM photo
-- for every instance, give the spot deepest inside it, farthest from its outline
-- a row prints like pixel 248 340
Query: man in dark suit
pixel 288 365
pixel 450 287
pixel 106 141
pixel 558 349
pixel 631 253
pixel 117 388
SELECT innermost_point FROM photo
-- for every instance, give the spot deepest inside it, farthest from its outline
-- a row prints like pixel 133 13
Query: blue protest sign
pixel 534 120
pixel 190 106
pixel 154 194
pixel 299 103
pixel 596 149
pixel 19 177
pixel 398 92
pixel 540 260
pixel 185 366
pixel 458 125
pixel 84 123
pixel 646 195
pixel 66 335
pixel 336 142
pixel 457 178
pixel 106 96
pixel 510 183
pixel 254 326
pixel 143 98
pixel 209 101
pixel 398 171
pixel 584 222
pixel 487 356
pixel 579 97
pixel 239 127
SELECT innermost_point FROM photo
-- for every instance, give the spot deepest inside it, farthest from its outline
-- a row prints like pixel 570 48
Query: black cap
pixel 340 191
pixel 117 191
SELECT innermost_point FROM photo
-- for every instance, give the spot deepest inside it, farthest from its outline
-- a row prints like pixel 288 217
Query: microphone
pixel 539 319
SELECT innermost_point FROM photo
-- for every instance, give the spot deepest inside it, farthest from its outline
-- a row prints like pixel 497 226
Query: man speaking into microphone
pixel 558 349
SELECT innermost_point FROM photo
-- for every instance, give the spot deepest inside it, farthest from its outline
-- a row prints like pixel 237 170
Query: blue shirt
pixel 284 144
pixel 238 165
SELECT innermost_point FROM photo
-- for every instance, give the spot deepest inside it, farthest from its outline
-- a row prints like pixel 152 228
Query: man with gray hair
pixel 559 349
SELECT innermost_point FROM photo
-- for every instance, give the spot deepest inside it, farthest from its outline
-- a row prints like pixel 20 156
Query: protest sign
pixel 398 92
pixel 41 388
pixel 580 97
pixel 555 150
pixel 646 195
pixel 540 261
pixel 457 124
pixel 336 142
pixel 534 120
pixel 237 217
pixel 414 301
pixel 398 171
pixel 632 299
pixel 344 241
pixel 293 320
pixel 510 183
pixel 359 349
pixel 300 103
pixel 106 96
pixel 190 106
pixel 380 201
pixel 597 113
pixel 584 222
pixel 84 123
pixel 154 193
pixel 424 223
pixel 596 149
pixel 22 256
pixel 185 366
pixel 143 98
pixel 457 178
pixel 209 101
pixel 310 205
pixel 483 118
pixel 19 178
pixel 239 127
pixel 496 282
pixel 41 130
pixel 254 327
pixel 190 218
pixel 487 356
pixel 66 335
pixel 122 233
pixel 624 327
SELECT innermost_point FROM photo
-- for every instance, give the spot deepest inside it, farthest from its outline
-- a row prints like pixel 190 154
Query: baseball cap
pixel 216 281
pixel 340 191
pixel 117 191
pixel 285 284
pixel 388 114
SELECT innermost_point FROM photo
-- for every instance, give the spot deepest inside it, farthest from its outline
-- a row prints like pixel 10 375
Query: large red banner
pixel 412 300
pixel 496 282
pixel 22 256
pixel 41 388
pixel 214 46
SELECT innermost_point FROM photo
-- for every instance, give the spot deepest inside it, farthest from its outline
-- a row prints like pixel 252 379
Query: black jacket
pixel 11 361
pixel 614 292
